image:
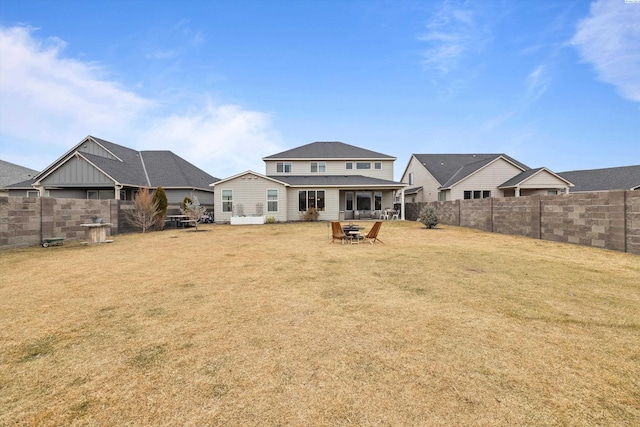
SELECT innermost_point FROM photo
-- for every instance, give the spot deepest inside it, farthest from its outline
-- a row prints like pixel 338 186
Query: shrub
pixel 271 220
pixel 144 210
pixel 186 200
pixel 160 199
pixel 311 214
pixel 428 216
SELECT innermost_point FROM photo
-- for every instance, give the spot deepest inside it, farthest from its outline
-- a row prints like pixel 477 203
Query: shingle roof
pixel 620 178
pixel 448 169
pixel 144 168
pixel 11 173
pixel 336 180
pixel 520 177
pixel 328 150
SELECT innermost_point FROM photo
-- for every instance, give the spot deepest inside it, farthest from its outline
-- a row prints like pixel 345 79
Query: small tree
pixel 160 199
pixel 186 200
pixel 144 210
pixel 194 210
pixel 428 216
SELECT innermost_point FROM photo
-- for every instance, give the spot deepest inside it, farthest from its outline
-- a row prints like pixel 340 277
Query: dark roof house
pixel 620 178
pixel 11 173
pixel 95 168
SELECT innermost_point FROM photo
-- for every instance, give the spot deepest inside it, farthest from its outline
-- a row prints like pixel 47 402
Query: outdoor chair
pixel 338 233
pixel 372 235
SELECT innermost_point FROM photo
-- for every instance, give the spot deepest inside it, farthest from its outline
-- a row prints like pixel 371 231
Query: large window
pixel 101 194
pixel 227 200
pixel 363 201
pixel 272 200
pixel 363 165
pixel 36 193
pixel 283 167
pixel 377 200
pixel 442 196
pixel 310 199
pixel 318 167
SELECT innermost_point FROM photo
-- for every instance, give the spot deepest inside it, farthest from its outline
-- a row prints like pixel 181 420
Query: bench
pixel 52 241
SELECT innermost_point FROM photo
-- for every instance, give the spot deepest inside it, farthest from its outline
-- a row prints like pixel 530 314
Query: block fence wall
pixel 26 221
pixel 609 219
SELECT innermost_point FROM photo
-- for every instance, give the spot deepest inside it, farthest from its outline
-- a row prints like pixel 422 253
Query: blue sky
pixel 225 83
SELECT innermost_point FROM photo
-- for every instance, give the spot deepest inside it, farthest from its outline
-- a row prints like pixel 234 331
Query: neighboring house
pixel 99 169
pixel 11 173
pixel 340 180
pixel 620 178
pixel 433 177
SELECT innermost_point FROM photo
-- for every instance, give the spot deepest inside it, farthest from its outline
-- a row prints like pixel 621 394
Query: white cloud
pixel 49 102
pixel 452 33
pixel 537 83
pixel 609 39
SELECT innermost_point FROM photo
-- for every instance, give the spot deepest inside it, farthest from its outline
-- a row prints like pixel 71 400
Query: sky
pixel 223 84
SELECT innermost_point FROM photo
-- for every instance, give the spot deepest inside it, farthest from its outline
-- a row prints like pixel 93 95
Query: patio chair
pixel 372 235
pixel 338 233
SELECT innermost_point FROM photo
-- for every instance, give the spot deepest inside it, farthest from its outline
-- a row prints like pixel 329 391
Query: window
pixel 477 194
pixel 318 167
pixel 101 194
pixel 227 200
pixel 377 165
pixel 36 193
pixel 283 167
pixel 363 201
pixel 442 196
pixel 552 192
pixel 363 165
pixel 377 197
pixel 411 178
pixel 272 200
pixel 348 165
pixel 310 199
pixel 348 198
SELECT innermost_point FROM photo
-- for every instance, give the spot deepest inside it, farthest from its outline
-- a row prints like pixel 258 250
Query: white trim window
pixel 363 165
pixel 310 199
pixel 101 194
pixel 283 167
pixel 410 178
pixel 272 200
pixel 318 167
pixel 476 194
pixel 348 165
pixel 377 165
pixel 227 200
pixel 36 193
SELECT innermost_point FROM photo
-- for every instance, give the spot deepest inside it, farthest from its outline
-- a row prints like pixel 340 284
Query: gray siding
pixel 77 172
pixel 93 148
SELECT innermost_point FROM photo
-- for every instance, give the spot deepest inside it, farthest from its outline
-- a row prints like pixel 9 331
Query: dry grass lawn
pixel 272 325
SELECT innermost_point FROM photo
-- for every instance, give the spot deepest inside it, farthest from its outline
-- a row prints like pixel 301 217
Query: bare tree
pixel 144 210
pixel 194 210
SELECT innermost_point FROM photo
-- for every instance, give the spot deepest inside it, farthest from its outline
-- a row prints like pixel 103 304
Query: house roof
pixel 414 190
pixel 249 172
pixel 528 174
pixel 138 168
pixel 619 178
pixel 448 169
pixel 11 173
pixel 336 181
pixel 329 150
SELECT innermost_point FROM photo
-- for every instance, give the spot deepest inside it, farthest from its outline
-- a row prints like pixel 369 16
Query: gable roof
pixel 619 178
pixel 528 174
pixel 329 150
pixel 249 172
pixel 448 169
pixel 136 168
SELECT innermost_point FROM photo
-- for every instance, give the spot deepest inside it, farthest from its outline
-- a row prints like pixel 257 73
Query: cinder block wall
pixel 609 220
pixel 25 221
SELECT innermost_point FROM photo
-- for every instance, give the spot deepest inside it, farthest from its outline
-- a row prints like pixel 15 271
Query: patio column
pixel 41 190
pixel 117 189
pixel 517 191
pixel 402 204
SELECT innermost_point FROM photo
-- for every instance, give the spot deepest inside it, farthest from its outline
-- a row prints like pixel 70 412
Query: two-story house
pixel 442 177
pixel 339 180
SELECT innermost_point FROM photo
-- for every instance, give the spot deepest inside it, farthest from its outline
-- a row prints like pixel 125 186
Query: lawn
pixel 273 325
